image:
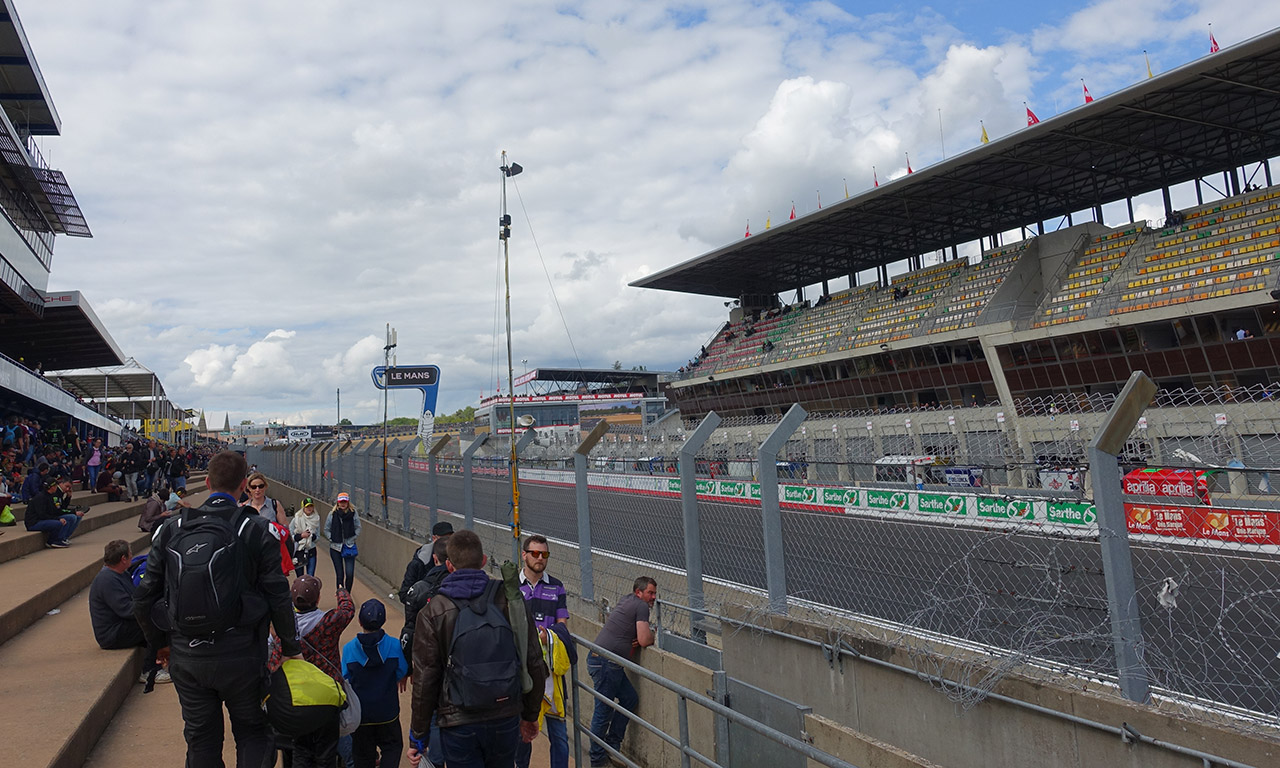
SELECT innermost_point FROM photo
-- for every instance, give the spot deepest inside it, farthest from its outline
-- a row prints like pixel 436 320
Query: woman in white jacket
pixel 305 527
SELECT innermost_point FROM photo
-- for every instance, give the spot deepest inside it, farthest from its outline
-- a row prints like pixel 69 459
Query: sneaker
pixel 58 544
pixel 163 676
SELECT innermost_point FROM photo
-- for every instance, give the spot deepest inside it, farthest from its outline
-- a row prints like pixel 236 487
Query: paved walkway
pixel 148 729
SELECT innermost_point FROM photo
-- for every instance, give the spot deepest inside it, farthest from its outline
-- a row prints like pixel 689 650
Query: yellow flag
pixel 766 222
pixel 1148 59
pixel 985 140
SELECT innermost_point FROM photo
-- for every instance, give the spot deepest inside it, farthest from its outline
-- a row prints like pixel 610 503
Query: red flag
pixel 1087 97
pixel 748 229
pixel 1031 117
pixel 874 177
pixel 908 162
pixel 793 212
pixel 1213 43
pixel 819 200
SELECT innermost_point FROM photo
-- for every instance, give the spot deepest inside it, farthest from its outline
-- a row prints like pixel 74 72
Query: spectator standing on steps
pixel 544 598
pixel 342 529
pixel 227 666
pixel 625 631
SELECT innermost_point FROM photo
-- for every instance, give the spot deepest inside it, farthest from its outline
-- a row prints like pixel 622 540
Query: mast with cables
pixel 504 234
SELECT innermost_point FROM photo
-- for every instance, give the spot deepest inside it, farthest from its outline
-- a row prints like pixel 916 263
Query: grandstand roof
pixel 69 335
pixel 129 390
pixel 23 93
pixel 1216 113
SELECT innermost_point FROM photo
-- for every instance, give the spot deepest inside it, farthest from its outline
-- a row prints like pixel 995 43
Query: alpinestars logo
pixel 197 547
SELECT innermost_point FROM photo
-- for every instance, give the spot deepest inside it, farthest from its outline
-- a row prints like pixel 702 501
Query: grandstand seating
pixel 1218 250
pixel 1086 278
pixel 64 686
pixel 979 285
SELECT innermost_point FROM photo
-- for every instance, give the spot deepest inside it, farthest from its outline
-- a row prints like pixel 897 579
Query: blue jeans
pixel 309 562
pixel 558 735
pixel 344 568
pixel 435 752
pixel 607 724
pixel 491 744
pixel 93 475
pixel 53 530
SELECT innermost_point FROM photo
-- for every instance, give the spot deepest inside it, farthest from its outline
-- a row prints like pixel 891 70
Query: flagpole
pixel 941 141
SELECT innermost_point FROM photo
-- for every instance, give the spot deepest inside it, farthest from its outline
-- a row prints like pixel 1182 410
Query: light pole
pixel 386 363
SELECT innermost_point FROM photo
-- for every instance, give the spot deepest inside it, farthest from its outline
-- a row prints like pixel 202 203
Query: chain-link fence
pixel 967 537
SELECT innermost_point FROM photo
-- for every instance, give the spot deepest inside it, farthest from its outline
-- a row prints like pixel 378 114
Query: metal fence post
pixel 692 521
pixel 1113 532
pixel 368 478
pixel 433 487
pixel 720 692
pixel 406 495
pixel 771 508
pixel 583 500
pixel 468 494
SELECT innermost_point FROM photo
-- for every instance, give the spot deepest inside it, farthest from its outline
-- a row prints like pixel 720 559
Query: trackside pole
pixel 1113 532
pixel 584 507
pixel 692 521
pixel 771 509
pixel 468 492
pixel 526 439
pixel 433 488
pixel 405 492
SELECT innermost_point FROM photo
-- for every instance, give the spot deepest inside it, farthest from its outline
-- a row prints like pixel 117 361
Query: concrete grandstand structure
pixel 1055 306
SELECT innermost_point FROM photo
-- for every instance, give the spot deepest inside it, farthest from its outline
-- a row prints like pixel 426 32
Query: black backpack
pixel 204 569
pixel 483 671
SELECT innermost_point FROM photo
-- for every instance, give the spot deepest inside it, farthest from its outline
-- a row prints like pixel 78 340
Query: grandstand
pixel 1065 309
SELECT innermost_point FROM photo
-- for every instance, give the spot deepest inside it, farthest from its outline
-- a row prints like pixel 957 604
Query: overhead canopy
pixel 69 335
pixel 130 390
pixel 23 93
pixel 1214 114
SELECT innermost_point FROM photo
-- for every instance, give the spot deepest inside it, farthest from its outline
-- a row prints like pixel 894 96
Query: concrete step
pixel 45 578
pixel 17 541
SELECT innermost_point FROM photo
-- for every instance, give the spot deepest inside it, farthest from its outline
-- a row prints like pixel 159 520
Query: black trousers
pixel 369 740
pixel 318 749
pixel 204 685
pixel 130 636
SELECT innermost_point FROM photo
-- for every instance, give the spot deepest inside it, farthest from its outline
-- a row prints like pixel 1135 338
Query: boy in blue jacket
pixel 378 672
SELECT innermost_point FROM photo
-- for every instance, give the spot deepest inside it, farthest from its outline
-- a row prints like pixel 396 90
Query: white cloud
pixel 269 184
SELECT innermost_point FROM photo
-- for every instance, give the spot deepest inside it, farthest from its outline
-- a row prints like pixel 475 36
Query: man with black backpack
pixel 218 569
pixel 467 667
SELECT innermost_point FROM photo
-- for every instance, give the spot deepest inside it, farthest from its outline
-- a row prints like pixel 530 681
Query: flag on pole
pixel 1213 43
pixel 846 188
pixel 1148 60
pixel 793 211
pixel 819 192
pixel 875 178
pixel 908 161
pixel 768 220
pixel 985 140
pixel 1087 96
pixel 1031 117
pixel 748 228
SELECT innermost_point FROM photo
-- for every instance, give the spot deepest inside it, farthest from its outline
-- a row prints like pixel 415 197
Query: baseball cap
pixel 441 529
pixel 308 502
pixel 305 592
pixel 343 497
pixel 373 614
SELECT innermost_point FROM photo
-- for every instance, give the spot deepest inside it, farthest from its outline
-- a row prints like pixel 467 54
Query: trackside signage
pixel 1200 523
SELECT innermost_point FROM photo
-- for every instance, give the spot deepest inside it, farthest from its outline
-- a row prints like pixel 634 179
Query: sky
pixel 270 184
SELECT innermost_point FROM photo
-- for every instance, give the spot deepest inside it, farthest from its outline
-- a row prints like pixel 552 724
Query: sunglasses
pixel 537 554
pixel 257 487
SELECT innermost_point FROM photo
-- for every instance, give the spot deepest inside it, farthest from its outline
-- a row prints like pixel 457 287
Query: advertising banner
pixel 1240 526
pixel 1182 483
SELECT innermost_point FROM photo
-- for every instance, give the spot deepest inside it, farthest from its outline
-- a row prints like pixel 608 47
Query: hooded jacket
pixel 431 641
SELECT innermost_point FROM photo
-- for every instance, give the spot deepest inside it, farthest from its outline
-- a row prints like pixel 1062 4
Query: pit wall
pixel 865 714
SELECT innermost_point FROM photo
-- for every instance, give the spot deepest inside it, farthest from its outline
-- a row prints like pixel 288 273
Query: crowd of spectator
pixel 35 455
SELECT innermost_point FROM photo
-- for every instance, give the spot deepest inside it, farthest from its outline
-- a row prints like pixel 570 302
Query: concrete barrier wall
pixel 909 713
pixel 857 748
